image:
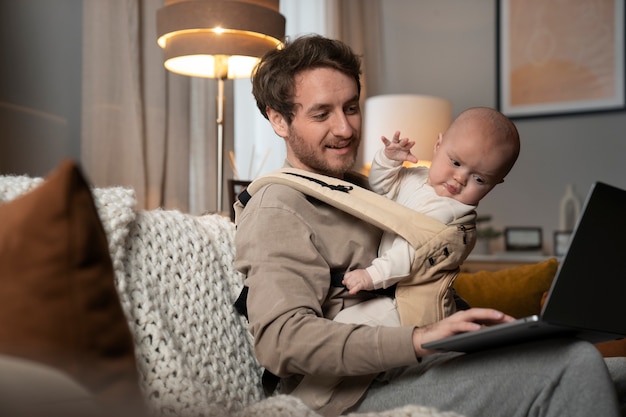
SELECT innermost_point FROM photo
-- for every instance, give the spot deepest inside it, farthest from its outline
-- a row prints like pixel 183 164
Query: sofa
pixel 108 309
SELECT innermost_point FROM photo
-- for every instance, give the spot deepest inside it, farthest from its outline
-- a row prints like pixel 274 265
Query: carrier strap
pixel 358 201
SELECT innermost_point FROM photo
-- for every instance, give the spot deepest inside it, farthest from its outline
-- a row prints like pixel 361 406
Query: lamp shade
pixel 218 38
pixel 420 118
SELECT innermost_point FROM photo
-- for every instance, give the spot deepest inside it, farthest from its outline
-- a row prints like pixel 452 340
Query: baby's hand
pixel 358 280
pixel 399 149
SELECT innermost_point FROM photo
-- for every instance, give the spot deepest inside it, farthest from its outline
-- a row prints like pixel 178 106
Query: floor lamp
pixel 220 39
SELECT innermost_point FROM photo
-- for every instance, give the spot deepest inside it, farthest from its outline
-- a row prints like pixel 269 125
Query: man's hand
pixel 358 280
pixel 399 149
pixel 460 322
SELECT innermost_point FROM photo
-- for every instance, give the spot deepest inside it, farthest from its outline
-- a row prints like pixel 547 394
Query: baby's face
pixel 466 166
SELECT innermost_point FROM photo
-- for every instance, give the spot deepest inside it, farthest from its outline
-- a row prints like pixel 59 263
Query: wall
pixel 40 88
pixel 447 48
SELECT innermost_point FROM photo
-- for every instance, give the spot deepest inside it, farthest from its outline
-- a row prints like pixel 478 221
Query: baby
pixel 473 156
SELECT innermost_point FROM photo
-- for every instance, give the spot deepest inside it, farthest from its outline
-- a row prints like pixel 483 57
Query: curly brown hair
pixel 273 80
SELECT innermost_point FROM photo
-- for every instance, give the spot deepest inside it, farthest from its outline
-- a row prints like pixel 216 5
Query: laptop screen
pixel 590 285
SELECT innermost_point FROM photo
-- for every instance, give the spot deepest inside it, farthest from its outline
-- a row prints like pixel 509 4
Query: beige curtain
pixel 142 126
pixel 357 22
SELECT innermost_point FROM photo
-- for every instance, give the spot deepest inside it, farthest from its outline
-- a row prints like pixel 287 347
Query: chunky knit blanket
pixel 176 281
pixel 178 286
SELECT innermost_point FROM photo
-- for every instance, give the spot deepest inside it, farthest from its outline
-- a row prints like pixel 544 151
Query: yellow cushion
pixel 515 291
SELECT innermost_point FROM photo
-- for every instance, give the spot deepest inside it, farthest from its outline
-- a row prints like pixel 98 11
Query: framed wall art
pixel 560 57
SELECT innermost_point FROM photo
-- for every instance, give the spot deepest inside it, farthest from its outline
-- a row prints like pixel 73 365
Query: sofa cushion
pixel 58 302
pixel 31 389
pixel 515 291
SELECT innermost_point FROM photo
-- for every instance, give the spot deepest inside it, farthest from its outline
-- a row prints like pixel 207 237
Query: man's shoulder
pixel 279 196
pixel 277 188
pixel 271 202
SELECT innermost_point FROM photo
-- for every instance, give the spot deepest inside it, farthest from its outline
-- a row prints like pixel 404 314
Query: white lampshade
pixel 418 117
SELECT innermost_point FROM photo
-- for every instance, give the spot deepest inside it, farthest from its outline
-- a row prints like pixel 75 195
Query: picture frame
pixel 526 239
pixel 561 241
pixel 558 58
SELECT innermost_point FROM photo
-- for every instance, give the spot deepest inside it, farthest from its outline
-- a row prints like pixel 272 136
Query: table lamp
pixel 419 117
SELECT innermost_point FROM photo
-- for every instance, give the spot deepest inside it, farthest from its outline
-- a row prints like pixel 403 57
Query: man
pixel 289 246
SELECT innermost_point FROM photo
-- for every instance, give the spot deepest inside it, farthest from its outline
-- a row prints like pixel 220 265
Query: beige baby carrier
pixel 423 297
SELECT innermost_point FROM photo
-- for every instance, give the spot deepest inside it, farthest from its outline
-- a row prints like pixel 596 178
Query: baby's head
pixel 474 155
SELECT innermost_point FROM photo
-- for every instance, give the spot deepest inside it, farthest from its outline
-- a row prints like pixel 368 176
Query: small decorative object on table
pixel 528 239
pixel 484 235
pixel 561 242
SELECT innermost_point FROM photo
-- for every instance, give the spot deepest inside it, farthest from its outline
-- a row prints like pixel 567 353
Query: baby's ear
pixel 438 142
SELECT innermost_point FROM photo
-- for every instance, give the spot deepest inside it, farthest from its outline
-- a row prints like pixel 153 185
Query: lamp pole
pixel 220 142
pixel 221 73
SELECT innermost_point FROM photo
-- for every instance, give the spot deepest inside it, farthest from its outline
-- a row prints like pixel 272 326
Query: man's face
pixel 325 133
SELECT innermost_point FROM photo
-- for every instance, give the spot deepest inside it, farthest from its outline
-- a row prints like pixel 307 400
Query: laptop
pixel 588 293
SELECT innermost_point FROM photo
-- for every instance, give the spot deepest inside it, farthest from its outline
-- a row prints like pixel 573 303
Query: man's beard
pixel 310 157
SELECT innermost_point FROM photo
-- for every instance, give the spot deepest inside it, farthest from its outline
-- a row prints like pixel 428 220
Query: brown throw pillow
pixel 58 302
pixel 515 291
